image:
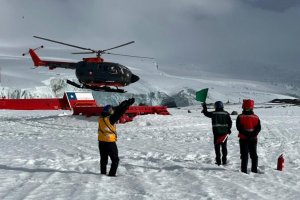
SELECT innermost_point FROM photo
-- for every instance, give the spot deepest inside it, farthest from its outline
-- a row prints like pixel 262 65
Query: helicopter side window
pixel 113 70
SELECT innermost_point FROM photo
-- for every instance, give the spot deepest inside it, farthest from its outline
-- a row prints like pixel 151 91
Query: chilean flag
pixel 80 98
pixel 71 96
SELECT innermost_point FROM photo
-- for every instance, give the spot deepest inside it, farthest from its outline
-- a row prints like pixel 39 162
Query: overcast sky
pixel 225 35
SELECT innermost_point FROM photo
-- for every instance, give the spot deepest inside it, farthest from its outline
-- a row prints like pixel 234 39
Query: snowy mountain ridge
pixel 185 96
pixel 158 85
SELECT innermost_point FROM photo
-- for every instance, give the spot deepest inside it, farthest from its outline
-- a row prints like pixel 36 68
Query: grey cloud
pixel 275 5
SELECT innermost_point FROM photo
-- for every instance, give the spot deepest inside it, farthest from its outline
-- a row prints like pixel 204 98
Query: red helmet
pixel 248 104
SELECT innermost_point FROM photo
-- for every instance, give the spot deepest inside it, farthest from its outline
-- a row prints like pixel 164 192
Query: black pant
pixel 218 151
pixel 108 149
pixel 248 146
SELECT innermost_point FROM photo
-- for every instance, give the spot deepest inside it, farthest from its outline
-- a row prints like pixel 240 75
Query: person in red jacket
pixel 248 125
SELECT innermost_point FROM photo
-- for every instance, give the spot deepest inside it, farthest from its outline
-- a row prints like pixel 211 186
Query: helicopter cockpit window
pixel 122 69
pixel 122 66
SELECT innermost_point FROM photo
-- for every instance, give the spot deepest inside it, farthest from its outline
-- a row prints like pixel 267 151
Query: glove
pixel 204 107
pixel 124 104
pixel 130 101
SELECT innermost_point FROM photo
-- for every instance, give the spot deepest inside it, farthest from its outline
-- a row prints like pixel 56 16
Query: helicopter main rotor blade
pixel 70 45
pixel 83 53
pixel 91 51
pixel 128 55
pixel 117 46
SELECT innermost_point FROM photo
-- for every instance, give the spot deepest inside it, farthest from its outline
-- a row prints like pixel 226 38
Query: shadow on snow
pixel 5 167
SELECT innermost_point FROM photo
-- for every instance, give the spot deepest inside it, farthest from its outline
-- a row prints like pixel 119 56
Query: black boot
pixel 244 165
pixel 224 160
pixel 103 164
pixel 218 161
pixel 254 165
pixel 103 169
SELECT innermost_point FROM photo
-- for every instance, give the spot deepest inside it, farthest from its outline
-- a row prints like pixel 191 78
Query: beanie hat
pixel 106 108
pixel 219 105
pixel 248 104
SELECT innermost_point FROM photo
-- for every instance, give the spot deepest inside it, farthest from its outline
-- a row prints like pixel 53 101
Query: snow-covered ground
pixel 54 155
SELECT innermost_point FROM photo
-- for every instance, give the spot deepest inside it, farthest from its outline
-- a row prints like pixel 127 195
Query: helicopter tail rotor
pixel 26 53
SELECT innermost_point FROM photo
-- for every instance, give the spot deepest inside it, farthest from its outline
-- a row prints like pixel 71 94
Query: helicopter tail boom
pixel 51 64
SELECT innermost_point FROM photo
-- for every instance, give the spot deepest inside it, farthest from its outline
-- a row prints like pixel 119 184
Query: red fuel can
pixel 280 163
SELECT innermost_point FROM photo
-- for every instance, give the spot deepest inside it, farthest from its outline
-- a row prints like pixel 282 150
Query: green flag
pixel 201 95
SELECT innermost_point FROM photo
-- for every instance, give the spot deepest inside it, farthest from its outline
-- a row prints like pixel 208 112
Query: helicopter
pixel 92 73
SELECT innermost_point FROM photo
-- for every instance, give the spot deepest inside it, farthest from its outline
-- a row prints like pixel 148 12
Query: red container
pixel 280 163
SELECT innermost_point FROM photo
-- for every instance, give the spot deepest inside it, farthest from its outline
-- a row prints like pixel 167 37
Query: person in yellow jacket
pixel 107 135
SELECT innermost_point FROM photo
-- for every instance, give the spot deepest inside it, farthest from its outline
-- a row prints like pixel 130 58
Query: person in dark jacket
pixel 221 125
pixel 107 135
pixel 248 125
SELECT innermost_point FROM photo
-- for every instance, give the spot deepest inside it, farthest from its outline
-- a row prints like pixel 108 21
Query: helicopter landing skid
pixel 95 88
